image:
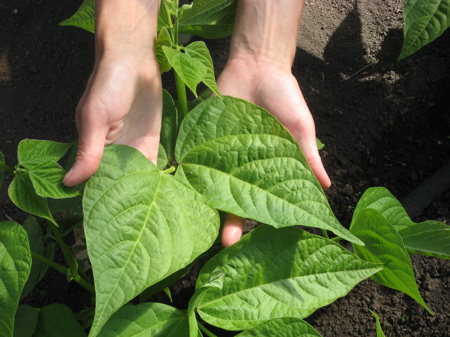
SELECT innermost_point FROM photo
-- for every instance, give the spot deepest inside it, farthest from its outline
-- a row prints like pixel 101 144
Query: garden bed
pixel 384 123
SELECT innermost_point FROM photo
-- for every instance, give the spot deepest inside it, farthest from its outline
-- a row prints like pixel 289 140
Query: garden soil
pixel 384 123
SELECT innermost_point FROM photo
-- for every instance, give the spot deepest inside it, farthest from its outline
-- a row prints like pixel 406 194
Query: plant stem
pixel 54 265
pixel 70 260
pixel 169 170
pixel 206 331
pixel 182 97
pixel 325 233
pixel 336 239
pixel 7 168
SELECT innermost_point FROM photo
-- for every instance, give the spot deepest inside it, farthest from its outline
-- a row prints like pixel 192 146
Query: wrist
pixel 126 27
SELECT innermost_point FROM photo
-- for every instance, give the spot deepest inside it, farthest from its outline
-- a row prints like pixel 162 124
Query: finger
pixel 90 151
pixel 308 144
pixel 232 229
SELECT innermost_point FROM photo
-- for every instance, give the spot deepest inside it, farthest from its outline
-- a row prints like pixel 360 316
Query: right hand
pixel 122 104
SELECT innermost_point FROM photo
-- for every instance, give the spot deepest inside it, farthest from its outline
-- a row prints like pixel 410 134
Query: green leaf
pixel 26 321
pixel 164 39
pixel 425 20
pixel 23 195
pixel 431 238
pixel 15 265
pixel 190 70
pixel 275 273
pixel 147 319
pixel 84 17
pixel 198 51
pixel 47 180
pixel 31 152
pixel 208 19
pixel 380 332
pixel 2 169
pixel 286 327
pixel 56 320
pixel 384 245
pixel 141 225
pixel 426 238
pixel 38 269
pixel 246 163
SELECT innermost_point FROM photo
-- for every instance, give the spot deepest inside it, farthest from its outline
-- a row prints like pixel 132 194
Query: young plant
pixel 146 225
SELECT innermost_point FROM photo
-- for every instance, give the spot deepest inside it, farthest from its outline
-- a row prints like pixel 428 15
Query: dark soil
pixel 384 123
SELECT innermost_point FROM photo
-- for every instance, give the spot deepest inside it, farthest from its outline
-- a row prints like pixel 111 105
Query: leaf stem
pixel 72 272
pixel 7 168
pixel 182 97
pixel 336 239
pixel 54 265
pixel 169 170
pixel 206 331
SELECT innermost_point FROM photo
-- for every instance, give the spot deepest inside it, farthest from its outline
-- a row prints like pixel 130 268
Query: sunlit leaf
pixel 286 327
pixel 275 273
pixel 147 319
pixel 246 163
pixel 384 245
pixel 141 225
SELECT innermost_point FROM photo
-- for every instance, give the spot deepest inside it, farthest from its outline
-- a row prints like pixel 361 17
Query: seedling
pixel 147 224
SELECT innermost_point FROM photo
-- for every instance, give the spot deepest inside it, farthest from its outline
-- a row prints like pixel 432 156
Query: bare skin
pixel 122 101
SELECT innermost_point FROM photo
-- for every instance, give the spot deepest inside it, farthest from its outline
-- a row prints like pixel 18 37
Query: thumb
pixel 87 161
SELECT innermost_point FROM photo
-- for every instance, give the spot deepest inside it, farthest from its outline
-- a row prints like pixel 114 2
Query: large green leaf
pixel 274 273
pixel 384 245
pixel 190 70
pixel 147 319
pixel 425 20
pixel 246 163
pixel 426 238
pixel 208 19
pixel 286 327
pixel 141 225
pixel 84 17
pixel 56 320
pixel 15 265
pixel 22 193
pixel 32 152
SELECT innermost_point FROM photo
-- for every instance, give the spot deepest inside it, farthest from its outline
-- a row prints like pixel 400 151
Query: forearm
pixel 126 26
pixel 266 30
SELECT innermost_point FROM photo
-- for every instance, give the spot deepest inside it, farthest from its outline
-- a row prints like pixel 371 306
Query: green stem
pixel 336 239
pixel 7 168
pixel 57 267
pixel 325 233
pixel 206 331
pixel 70 260
pixel 182 97
pixel 169 170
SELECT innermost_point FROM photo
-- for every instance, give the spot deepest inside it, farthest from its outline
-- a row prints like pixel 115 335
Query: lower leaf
pixel 275 273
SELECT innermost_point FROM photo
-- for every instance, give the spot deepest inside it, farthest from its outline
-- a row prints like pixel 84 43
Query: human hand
pixel 122 104
pixel 274 88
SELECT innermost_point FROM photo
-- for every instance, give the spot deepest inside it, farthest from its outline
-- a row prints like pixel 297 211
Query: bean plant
pixel 146 225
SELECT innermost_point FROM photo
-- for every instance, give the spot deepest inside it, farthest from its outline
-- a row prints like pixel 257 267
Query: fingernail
pixel 67 176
